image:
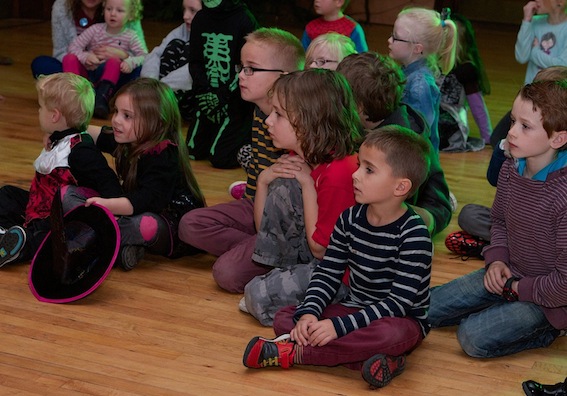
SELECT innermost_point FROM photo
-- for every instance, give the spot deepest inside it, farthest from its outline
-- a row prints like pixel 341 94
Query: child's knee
pixel 226 277
pixel 148 228
pixel 471 342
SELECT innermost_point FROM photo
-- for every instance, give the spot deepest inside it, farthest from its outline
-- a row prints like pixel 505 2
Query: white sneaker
pixel 454 203
pixel 242 305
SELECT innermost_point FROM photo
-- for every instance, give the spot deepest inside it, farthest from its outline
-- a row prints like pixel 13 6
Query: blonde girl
pixel 424 42
pixel 105 51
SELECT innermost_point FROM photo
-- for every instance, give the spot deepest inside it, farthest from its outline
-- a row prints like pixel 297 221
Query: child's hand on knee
pixel 300 333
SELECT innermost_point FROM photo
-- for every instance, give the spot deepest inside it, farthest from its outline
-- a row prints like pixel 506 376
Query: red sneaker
pixel 465 244
pixel 379 370
pixel 263 352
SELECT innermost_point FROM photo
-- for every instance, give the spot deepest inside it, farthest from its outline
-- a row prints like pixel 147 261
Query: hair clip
pixel 445 14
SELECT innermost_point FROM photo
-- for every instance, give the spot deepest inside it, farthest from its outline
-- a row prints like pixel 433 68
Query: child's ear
pixel 559 139
pixel 418 48
pixel 403 187
pixel 55 115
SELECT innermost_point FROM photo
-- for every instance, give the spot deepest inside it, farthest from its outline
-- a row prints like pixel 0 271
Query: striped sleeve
pixel 327 276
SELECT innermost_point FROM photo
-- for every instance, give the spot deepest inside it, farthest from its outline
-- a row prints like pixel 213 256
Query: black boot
pixel 104 92
pixel 532 388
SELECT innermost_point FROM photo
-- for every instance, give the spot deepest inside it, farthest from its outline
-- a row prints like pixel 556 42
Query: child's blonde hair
pixel 437 36
pixel 69 93
pixel 338 44
pixel 286 48
pixel 135 10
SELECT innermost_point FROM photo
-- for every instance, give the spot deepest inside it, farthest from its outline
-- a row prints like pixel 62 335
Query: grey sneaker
pixel 130 255
pixel 11 244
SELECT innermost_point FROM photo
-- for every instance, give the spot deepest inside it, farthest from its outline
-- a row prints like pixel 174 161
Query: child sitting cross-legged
pixel 387 248
pixel 518 301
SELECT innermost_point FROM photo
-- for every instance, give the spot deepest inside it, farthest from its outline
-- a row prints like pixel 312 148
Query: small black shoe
pixel 130 256
pixel 380 369
pixel 532 388
pixel 12 242
pixel 104 92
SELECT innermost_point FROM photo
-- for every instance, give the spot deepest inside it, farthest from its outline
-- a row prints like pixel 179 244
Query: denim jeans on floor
pixel 489 326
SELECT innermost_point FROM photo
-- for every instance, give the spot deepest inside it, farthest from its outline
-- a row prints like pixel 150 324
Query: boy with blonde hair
pixel 227 230
pixel 333 19
pixel 518 301
pixel 69 157
pixel 386 247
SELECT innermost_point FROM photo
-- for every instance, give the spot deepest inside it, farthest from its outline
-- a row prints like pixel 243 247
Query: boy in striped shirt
pixel 387 249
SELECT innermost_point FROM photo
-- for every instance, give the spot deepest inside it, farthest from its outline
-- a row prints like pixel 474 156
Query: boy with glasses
pixel 227 230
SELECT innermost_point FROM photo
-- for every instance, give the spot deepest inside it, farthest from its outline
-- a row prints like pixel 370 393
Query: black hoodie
pixel 232 19
pixel 433 195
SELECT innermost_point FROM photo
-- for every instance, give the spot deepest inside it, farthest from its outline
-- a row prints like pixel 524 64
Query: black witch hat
pixel 77 255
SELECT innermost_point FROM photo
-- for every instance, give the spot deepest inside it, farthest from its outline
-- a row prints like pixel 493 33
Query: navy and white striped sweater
pixel 390 271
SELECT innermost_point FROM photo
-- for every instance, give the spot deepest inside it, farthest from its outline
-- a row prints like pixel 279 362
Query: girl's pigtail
pixel 448 49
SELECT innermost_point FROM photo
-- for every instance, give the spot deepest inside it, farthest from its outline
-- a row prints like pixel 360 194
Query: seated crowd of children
pixel 330 239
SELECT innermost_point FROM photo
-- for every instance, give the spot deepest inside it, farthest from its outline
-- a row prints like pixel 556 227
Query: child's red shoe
pixel 465 244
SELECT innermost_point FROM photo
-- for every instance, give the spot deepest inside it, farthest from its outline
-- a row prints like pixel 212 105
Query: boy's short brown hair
pixel 550 98
pixel 407 153
pixel 377 83
pixel 286 48
pixel 69 93
pixel 552 73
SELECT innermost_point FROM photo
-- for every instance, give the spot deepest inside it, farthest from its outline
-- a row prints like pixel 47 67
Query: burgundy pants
pixel 390 336
pixel 226 230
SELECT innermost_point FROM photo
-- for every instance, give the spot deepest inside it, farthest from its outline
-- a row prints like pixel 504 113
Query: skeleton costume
pixel 222 122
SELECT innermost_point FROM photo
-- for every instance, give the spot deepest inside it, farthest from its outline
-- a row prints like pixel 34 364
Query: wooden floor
pixel 165 328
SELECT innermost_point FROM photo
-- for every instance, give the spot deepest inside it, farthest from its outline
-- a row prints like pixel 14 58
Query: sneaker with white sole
pixel 264 352
pixel 12 242
pixel 242 305
pixel 454 202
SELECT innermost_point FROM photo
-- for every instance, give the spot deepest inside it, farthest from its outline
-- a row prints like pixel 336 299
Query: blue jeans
pixel 489 326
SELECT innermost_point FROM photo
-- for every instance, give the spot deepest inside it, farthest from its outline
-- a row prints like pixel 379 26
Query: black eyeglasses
pixel 320 62
pixel 394 38
pixel 249 70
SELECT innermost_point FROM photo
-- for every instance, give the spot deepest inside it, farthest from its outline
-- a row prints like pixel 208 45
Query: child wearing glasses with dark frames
pixel 425 43
pixel 227 230
pixel 328 50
